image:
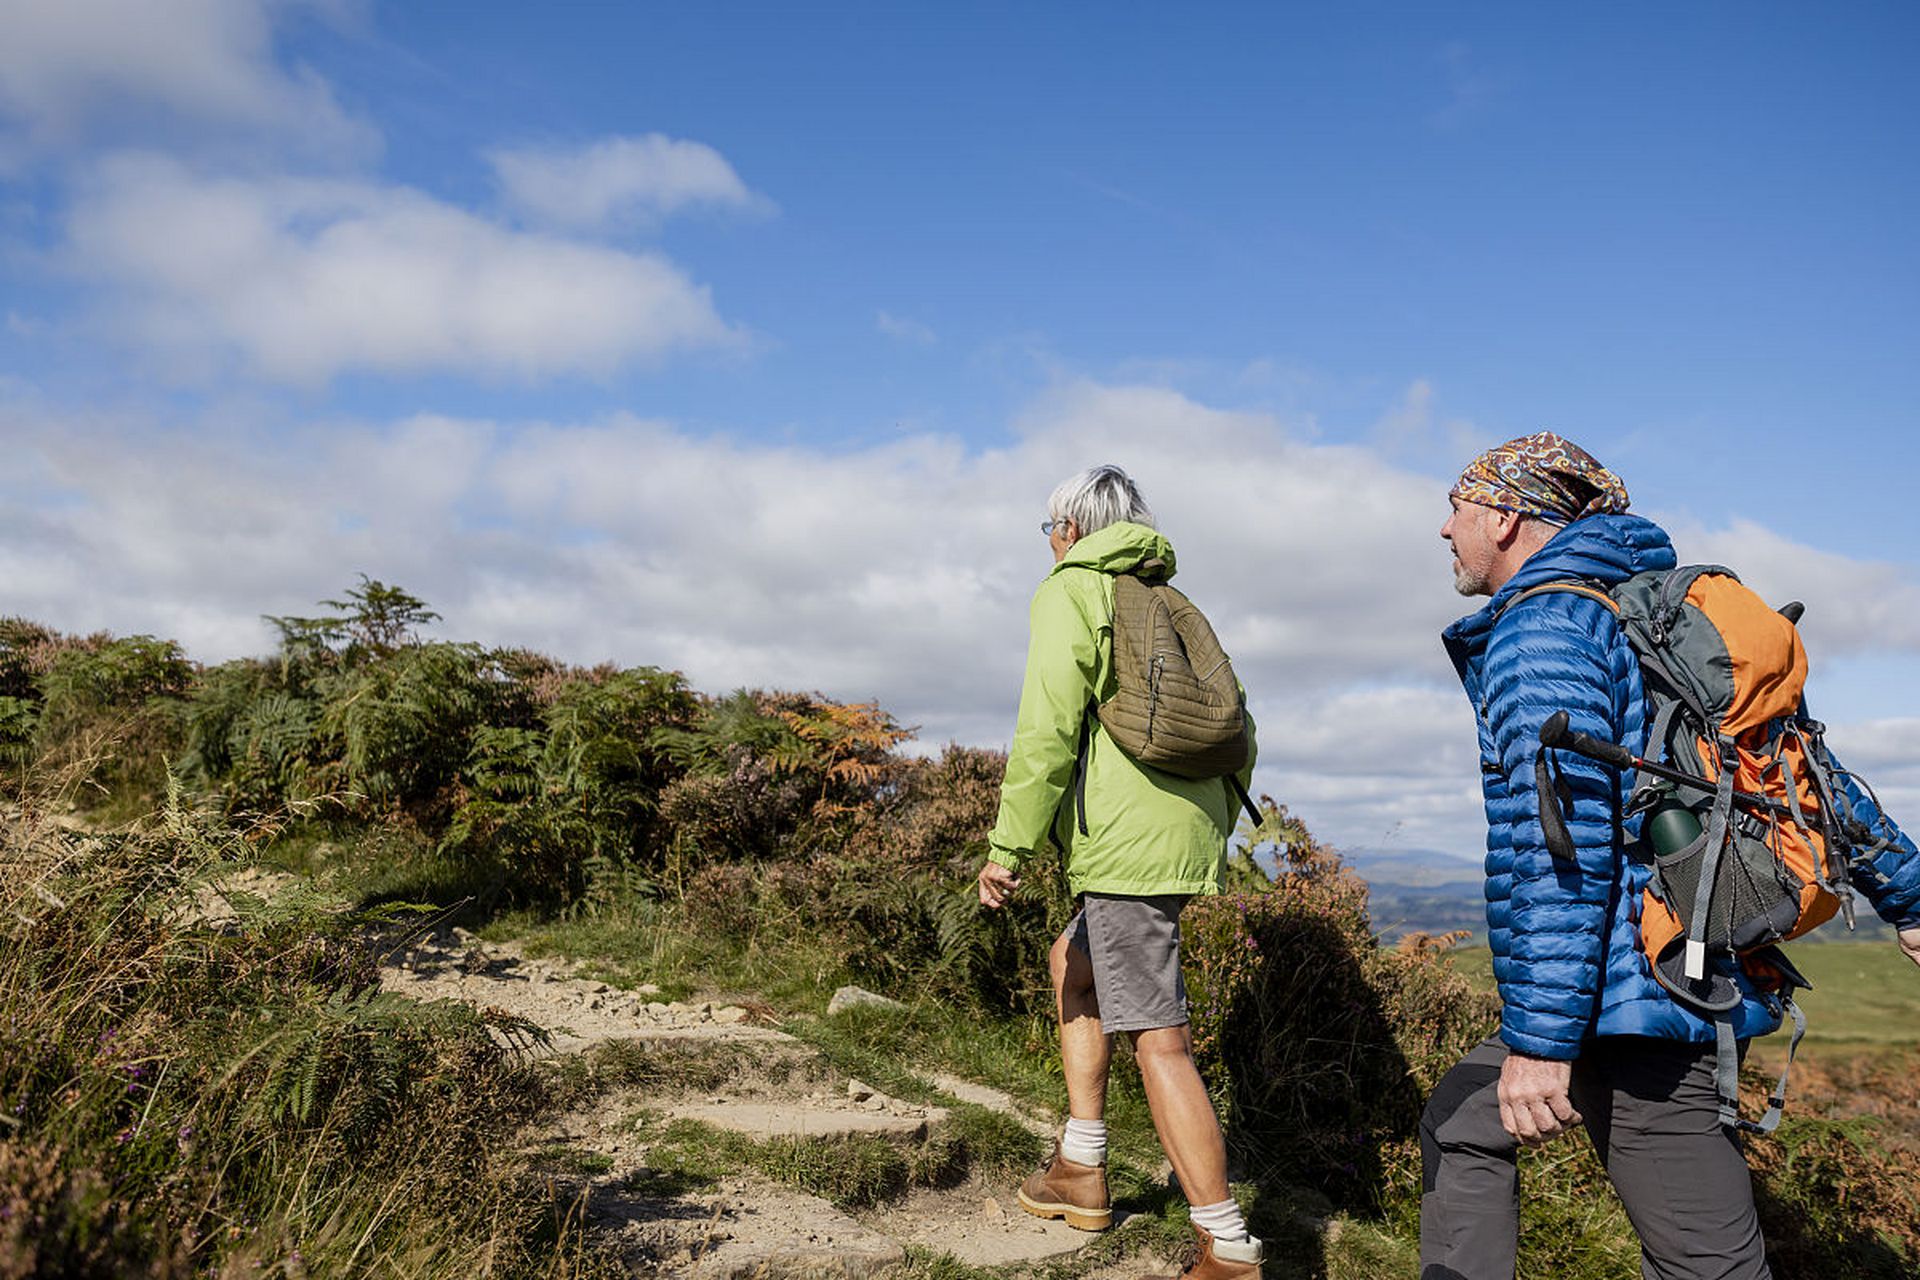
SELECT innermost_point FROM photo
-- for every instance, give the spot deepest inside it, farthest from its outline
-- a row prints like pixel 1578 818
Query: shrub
pixel 1320 1044
pixel 548 811
pixel 406 721
pixel 602 748
pixel 892 882
pixel 27 649
pixel 112 711
pixel 57 1219
pixel 936 813
pixel 252 730
pixel 19 717
pixel 107 674
pixel 374 621
pixel 746 813
pixel 772 774
pixel 1836 1197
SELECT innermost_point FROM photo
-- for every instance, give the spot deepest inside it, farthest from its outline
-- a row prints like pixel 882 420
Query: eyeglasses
pixel 1048 526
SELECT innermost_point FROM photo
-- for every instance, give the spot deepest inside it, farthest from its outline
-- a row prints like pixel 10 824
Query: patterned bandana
pixel 1542 475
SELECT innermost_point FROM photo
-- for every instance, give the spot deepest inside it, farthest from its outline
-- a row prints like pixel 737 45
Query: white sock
pixel 1085 1141
pixel 1222 1221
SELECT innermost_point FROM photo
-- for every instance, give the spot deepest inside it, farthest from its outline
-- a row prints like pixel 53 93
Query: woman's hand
pixel 997 884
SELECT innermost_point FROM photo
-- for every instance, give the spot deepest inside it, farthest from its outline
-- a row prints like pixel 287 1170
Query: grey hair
pixel 1098 497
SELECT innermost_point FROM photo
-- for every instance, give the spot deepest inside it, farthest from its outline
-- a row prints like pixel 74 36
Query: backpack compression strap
pixel 1726 1074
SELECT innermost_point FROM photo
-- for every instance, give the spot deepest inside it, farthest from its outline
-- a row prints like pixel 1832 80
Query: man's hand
pixel 1910 943
pixel 1534 1106
pixel 997 884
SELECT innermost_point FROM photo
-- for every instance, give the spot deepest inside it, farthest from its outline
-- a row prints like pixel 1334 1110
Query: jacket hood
pixel 1118 548
pixel 1605 549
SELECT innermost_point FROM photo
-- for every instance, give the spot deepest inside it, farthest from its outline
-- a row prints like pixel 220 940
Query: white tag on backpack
pixel 1696 959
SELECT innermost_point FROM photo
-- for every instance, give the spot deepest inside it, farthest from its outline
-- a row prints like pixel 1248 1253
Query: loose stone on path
pixel 850 997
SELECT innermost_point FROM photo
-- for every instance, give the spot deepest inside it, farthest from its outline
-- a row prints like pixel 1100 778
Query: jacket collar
pixel 1605 549
pixel 1118 548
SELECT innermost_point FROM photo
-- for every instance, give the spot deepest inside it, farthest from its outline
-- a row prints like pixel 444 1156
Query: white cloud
pixel 68 65
pixel 905 329
pixel 1375 766
pixel 301 279
pixel 899 571
pixel 616 180
pixel 1886 753
pixel 1412 433
pixel 1853 606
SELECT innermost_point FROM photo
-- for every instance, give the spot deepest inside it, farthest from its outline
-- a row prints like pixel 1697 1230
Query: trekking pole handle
pixel 1555 733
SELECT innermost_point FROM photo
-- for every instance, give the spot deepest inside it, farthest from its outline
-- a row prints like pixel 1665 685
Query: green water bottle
pixel 1671 826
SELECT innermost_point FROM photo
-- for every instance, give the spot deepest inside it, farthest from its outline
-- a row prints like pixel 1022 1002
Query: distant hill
pixel 1434 891
pixel 1413 868
pixel 1421 890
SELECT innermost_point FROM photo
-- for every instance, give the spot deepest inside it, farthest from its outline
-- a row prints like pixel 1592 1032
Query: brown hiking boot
pixel 1222 1260
pixel 1062 1189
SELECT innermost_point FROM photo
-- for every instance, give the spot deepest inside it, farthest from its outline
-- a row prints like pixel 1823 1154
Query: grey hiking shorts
pixel 1134 944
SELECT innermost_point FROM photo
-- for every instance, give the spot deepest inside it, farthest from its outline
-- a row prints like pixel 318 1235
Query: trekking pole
pixel 1555 734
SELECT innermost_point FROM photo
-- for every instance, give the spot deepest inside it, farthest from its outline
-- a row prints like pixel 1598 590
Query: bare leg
pixel 1085 1049
pixel 1182 1112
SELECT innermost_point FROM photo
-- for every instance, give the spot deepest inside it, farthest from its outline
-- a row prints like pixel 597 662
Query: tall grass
pixel 190 1085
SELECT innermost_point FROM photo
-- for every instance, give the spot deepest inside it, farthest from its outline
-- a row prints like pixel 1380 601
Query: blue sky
pixel 295 290
pixel 1521 206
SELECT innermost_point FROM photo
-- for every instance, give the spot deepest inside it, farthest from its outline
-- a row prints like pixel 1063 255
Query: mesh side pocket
pixel 1678 876
pixel 1763 896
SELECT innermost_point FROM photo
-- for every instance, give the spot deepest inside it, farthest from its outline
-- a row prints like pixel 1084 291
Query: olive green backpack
pixel 1177 705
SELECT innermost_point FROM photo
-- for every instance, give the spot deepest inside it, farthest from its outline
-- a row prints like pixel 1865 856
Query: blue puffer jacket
pixel 1565 938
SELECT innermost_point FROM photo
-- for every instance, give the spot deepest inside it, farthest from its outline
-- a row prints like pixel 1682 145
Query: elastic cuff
pixel 1535 1047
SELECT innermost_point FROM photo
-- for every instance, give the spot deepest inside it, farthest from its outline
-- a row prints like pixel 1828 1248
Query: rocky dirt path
pixel 778 1087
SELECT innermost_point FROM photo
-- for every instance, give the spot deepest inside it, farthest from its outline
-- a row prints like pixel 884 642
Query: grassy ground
pixel 895 1051
pixel 653 942
pixel 1865 997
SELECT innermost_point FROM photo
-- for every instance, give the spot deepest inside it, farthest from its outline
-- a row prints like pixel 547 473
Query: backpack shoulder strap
pixel 1576 588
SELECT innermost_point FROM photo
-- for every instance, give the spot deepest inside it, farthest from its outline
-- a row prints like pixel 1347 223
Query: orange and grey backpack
pixel 1747 832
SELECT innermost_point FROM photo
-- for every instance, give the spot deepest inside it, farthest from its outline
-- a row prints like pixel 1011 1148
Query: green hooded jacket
pixel 1148 832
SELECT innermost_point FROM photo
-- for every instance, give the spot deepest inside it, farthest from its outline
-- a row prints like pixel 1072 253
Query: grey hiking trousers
pixel 1650 1108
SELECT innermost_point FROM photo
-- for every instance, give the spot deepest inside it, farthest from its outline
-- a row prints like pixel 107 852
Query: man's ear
pixel 1504 526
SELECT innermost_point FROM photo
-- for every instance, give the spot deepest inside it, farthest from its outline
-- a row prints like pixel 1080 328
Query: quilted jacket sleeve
pixel 1554 653
pixel 1890 879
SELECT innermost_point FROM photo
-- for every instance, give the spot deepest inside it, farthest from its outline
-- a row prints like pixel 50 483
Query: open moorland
pixel 391 957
